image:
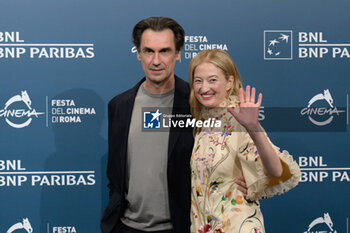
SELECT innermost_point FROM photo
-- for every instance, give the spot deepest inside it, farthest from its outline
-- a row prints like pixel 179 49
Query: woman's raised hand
pixel 248 109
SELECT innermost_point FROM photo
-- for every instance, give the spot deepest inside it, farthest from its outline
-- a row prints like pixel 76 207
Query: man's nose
pixel 156 59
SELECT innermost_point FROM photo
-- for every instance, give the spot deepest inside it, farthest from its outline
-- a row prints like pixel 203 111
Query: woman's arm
pixel 248 118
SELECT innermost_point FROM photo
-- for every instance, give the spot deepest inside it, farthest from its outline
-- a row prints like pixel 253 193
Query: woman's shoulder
pixel 233 101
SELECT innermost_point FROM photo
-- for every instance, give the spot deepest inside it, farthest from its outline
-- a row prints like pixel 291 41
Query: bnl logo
pixel 151 119
pixel 278 45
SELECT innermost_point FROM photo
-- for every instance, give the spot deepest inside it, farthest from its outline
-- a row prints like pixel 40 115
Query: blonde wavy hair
pixel 223 61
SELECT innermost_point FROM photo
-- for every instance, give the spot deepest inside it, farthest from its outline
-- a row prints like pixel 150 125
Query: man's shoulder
pixel 125 96
pixel 182 86
pixel 122 97
pixel 181 81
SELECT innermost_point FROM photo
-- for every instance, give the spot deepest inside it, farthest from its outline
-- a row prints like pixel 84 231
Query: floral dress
pixel 220 155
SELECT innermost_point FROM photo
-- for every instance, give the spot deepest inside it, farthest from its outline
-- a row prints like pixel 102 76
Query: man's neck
pixel 159 88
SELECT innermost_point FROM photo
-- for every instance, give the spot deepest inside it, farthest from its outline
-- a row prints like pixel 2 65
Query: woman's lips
pixel 207 96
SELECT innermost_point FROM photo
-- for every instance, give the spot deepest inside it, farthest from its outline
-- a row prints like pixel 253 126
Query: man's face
pixel 158 55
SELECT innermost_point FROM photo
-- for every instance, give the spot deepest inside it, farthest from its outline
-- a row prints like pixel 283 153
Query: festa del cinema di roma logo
pixel 19 117
pixel 321 225
pixel 321 111
pixel 25 224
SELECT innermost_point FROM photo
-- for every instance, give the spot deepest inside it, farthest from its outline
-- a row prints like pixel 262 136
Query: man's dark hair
pixel 158 24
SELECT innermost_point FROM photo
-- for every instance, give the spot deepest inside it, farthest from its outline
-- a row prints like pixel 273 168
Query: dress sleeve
pixel 260 185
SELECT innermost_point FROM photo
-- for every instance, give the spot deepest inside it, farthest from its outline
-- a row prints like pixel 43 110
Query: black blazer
pixel 178 168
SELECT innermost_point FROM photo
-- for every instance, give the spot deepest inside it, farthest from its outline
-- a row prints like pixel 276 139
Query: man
pixel 149 172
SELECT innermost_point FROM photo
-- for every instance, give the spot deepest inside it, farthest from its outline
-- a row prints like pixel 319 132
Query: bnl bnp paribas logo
pixel 151 119
pixel 18 111
pixel 278 45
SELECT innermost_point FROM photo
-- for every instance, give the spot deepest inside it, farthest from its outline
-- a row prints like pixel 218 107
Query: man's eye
pixel 212 80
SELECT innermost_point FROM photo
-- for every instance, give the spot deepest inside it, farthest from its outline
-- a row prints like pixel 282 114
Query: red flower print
pixel 205 229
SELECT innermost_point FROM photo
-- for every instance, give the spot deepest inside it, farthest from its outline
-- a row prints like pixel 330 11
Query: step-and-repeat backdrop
pixel 62 61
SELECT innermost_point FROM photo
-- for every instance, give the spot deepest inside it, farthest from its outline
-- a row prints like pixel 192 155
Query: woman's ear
pixel 229 83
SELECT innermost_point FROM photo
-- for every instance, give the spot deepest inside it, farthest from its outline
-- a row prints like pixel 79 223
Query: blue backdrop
pixel 62 61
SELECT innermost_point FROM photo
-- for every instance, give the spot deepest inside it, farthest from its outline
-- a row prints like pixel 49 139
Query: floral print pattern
pixel 219 155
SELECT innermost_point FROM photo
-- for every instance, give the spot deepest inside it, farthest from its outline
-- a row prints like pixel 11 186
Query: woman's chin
pixel 209 105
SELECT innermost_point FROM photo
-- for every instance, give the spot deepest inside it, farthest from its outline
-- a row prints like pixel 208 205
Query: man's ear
pixel 138 55
pixel 178 55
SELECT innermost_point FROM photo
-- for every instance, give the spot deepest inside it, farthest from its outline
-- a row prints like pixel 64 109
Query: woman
pixel 238 148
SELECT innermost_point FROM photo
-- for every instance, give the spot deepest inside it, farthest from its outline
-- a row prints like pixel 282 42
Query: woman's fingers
pixel 240 95
pixel 252 97
pixel 259 100
pixel 247 94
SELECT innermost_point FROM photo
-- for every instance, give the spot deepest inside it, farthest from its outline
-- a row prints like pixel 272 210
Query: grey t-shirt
pixel 147 186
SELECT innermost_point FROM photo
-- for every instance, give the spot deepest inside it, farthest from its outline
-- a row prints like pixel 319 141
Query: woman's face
pixel 210 85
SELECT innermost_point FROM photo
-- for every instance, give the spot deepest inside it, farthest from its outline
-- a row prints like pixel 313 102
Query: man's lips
pixel 156 69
